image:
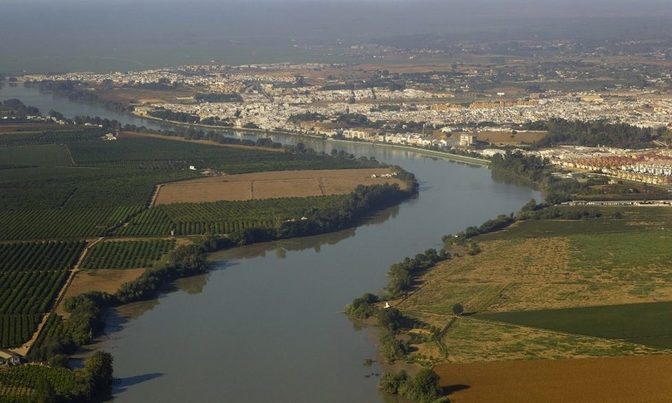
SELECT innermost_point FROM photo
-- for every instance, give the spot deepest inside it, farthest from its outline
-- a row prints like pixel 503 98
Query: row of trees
pixel 76 91
pixel 402 274
pixel 595 133
pixel 14 108
pixel 218 97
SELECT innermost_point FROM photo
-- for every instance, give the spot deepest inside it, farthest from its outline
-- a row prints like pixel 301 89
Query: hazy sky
pixel 45 34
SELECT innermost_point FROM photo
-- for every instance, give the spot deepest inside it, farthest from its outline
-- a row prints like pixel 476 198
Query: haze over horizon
pixel 75 34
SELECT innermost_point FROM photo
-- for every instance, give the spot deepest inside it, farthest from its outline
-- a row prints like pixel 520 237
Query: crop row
pixel 127 254
pixel 223 217
pixel 49 137
pixel 45 255
pixel 51 333
pixel 17 329
pixel 18 384
pixel 137 152
pixel 61 223
pixel 29 292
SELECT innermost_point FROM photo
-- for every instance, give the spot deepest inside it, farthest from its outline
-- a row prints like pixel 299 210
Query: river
pixel 266 324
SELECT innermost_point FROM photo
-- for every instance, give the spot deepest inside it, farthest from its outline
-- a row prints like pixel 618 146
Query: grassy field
pixel 646 324
pixel 44 155
pixel 542 283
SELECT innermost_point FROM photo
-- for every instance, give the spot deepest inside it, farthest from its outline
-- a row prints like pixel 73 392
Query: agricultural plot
pixel 31 274
pixel 16 329
pixel 43 155
pixel 598 278
pixel 24 297
pixel 29 293
pixel 153 153
pixel 128 254
pixel 50 137
pixel 44 256
pixel 470 339
pixel 223 217
pixel 269 185
pixel 19 384
pixel 62 223
pixel 608 379
pixel 648 324
pixel 53 329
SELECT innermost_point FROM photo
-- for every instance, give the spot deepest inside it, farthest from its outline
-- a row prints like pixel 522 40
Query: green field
pixel 61 188
pixel 647 324
pixel 50 137
pixel 19 384
pixel 73 223
pixel 31 274
pixel 44 155
pixel 128 254
pixel 634 219
pixel 604 278
pixel 152 153
pixel 623 250
pixel 27 256
pixel 223 217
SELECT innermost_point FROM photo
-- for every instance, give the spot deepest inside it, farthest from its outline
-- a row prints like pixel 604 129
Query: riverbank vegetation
pixel 41 383
pixel 547 282
pixel 61 189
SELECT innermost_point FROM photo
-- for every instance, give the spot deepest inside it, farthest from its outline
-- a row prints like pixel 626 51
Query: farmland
pixel 20 384
pixel 144 152
pixel 23 297
pixel 550 289
pixel 45 155
pixel 60 190
pixel 31 274
pixel 26 256
pixel 223 217
pixel 62 223
pixel 609 379
pixel 127 254
pixel 269 185
pixel 103 280
pixel 645 324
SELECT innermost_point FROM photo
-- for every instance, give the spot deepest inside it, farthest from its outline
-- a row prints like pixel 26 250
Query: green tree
pixel 99 369
pixel 458 309
pixel 423 387
pixel 45 392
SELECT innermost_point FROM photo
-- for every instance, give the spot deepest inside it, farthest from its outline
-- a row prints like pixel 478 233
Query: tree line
pixel 594 133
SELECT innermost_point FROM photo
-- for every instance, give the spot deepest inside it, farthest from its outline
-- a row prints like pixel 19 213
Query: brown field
pixel 511 138
pixel 268 185
pixel 615 379
pixel 141 95
pixel 99 280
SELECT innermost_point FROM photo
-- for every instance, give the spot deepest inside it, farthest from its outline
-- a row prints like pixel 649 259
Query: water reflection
pixel 281 247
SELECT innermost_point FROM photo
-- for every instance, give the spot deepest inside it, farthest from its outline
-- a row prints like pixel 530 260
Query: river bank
pixel 435 153
pixel 294 289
